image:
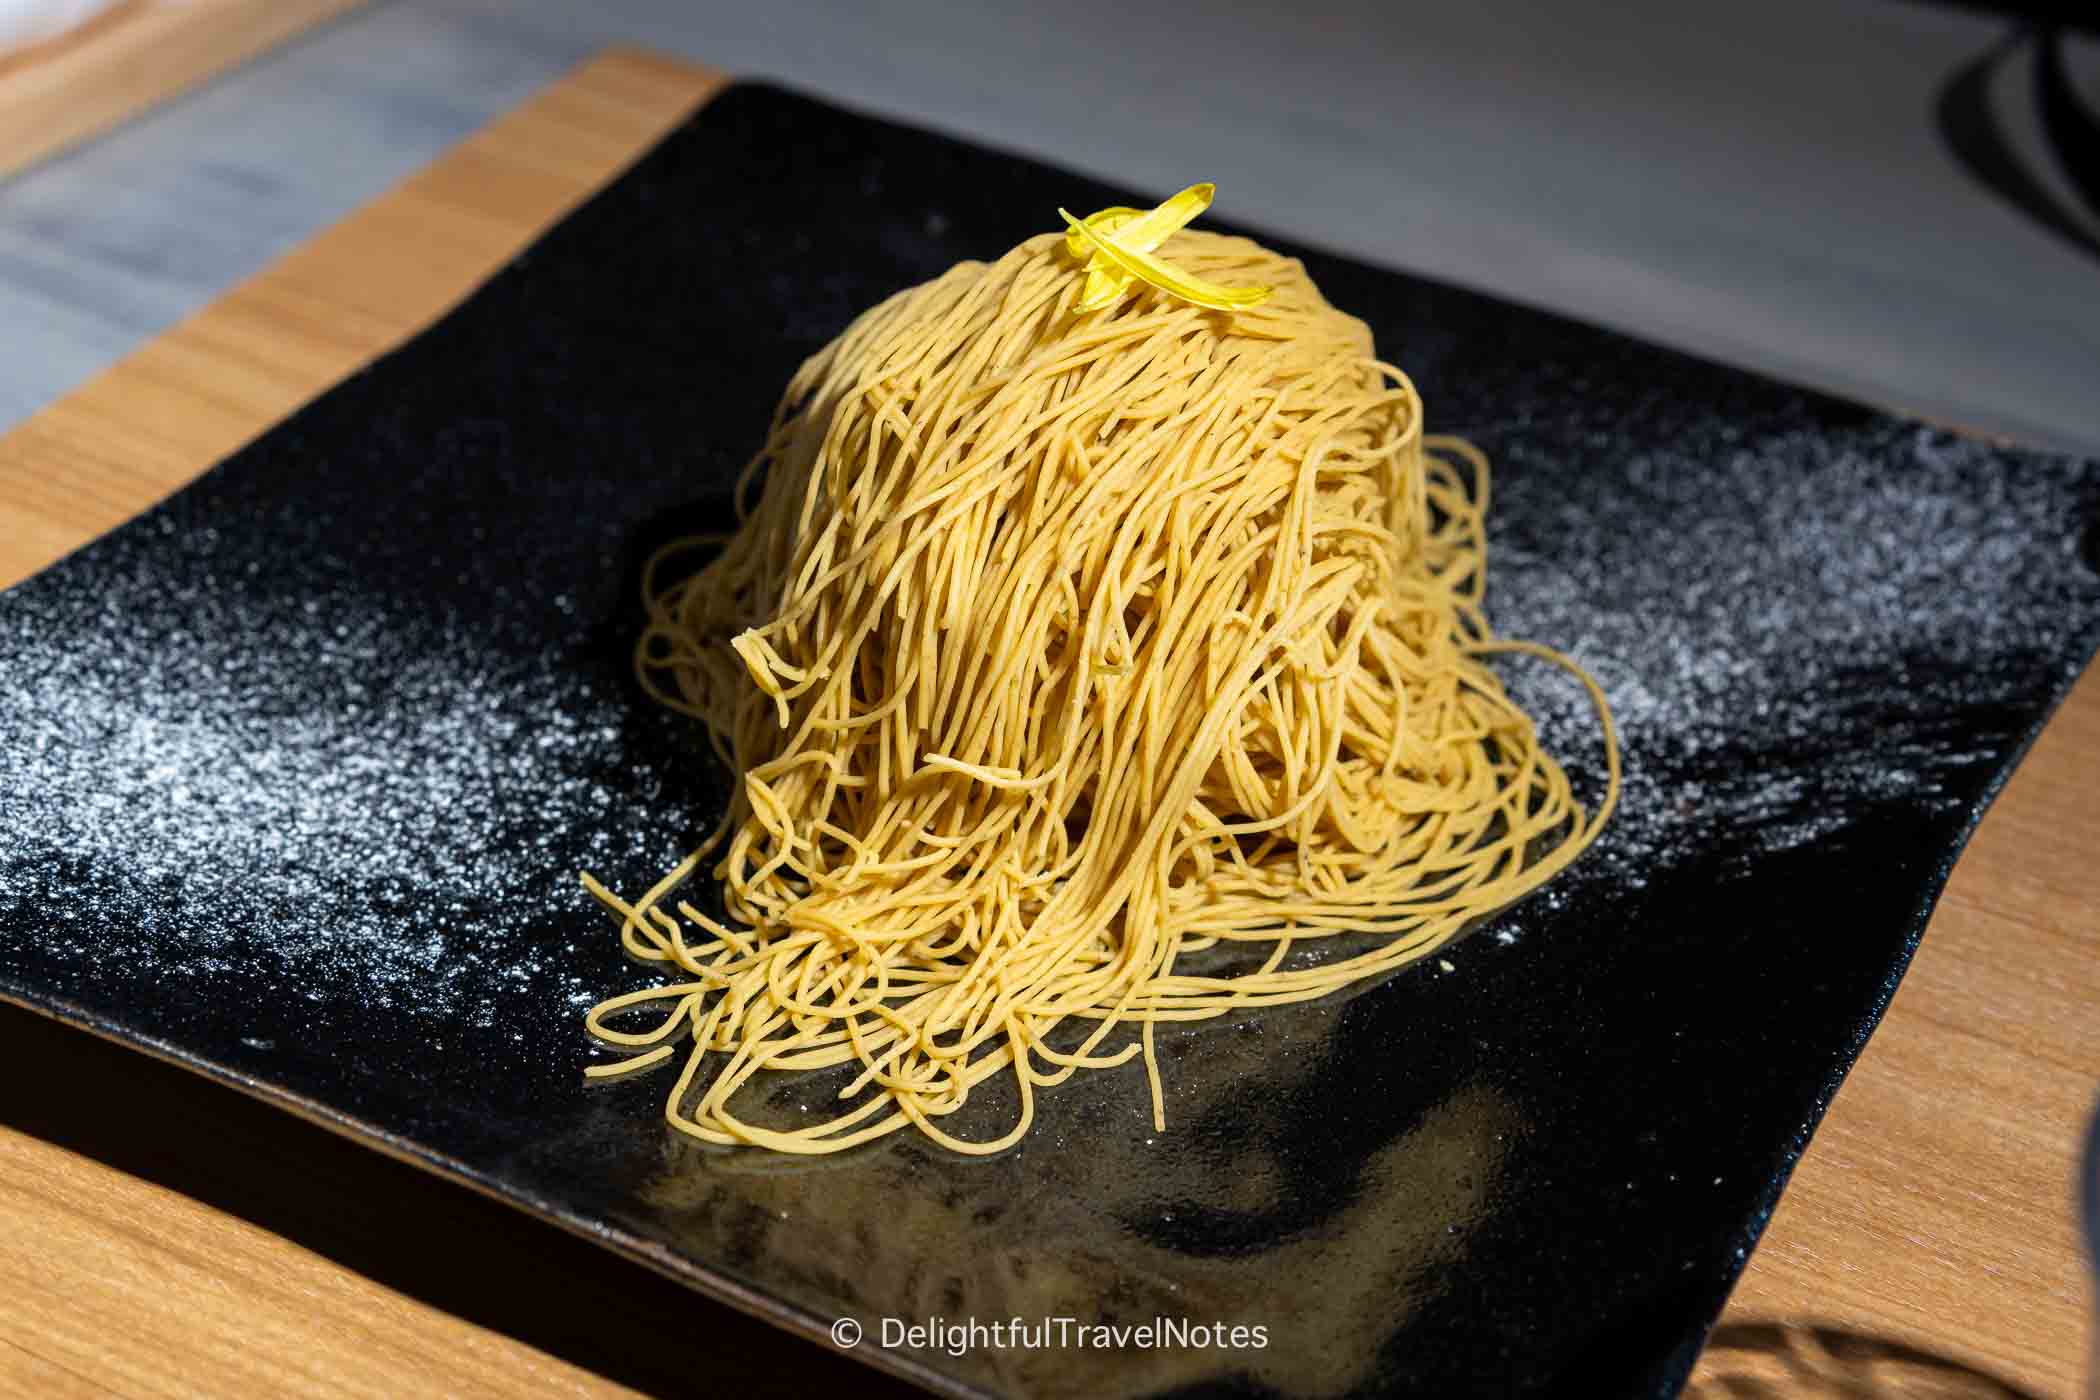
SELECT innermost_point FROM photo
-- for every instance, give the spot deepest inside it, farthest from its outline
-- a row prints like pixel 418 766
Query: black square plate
pixel 297 771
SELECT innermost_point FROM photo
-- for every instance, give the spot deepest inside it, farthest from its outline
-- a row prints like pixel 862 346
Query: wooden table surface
pixel 162 1235
pixel 130 57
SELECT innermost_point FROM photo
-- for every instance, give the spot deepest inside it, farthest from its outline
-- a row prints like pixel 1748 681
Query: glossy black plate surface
pixel 297 771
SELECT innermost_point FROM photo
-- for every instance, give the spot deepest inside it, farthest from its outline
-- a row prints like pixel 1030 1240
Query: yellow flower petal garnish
pixel 1118 242
pixel 1143 230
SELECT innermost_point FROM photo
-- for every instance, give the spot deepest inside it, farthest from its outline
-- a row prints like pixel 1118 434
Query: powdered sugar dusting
pixel 1739 612
pixel 359 825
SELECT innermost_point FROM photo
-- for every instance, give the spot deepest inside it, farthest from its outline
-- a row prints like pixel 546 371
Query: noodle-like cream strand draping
pixel 1082 670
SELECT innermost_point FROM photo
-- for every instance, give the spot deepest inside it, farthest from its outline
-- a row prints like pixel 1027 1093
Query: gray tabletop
pixel 1771 185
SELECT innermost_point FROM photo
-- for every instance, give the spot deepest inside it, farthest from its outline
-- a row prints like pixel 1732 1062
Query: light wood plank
pixel 130 58
pixel 1934 1206
pixel 118 1287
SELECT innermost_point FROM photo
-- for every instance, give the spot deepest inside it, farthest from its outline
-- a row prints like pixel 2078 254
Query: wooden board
pixel 130 57
pixel 1933 1210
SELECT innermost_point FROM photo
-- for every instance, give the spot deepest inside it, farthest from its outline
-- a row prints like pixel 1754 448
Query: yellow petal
pixel 1108 220
pixel 1162 275
pixel 1145 229
pixel 1105 285
pixel 1148 230
pixel 1105 282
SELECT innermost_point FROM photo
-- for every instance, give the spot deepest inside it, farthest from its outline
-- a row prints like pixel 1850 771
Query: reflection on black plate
pixel 296 773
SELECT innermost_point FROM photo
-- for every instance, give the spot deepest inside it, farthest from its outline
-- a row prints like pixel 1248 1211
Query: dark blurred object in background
pixel 2053 175
pixel 2073 14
